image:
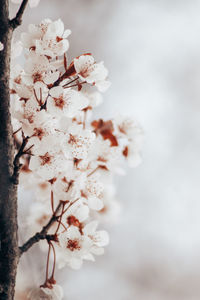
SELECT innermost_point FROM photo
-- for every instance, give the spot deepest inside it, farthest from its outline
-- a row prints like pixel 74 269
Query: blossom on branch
pixel 68 159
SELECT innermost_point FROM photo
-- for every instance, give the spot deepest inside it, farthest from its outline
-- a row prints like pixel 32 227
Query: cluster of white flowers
pixel 69 159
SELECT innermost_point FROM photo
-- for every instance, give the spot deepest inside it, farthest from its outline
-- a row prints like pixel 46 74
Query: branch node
pixel 17 20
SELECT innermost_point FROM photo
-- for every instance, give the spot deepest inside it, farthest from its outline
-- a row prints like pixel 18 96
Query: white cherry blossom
pixel 77 213
pixel 69 187
pixel 48 38
pixel 38 68
pixel 67 102
pixel 73 248
pixel 47 164
pixel 78 141
pixel 46 293
pixel 54 42
pixel 92 72
pixel 76 246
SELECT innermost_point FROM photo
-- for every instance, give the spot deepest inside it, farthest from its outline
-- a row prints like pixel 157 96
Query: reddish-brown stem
pixel 77 84
pixel 36 96
pixel 93 171
pixel 70 206
pixel 40 96
pixel 65 62
pixel 63 225
pixel 84 118
pixel 47 264
pixel 70 82
pixel 52 202
pixel 54 261
pixel 60 218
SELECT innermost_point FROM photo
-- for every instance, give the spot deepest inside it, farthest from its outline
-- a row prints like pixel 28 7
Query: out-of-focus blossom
pixel 1 46
pixel 55 292
pixel 90 71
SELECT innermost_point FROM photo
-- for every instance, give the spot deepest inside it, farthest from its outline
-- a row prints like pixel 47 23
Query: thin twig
pixel 42 235
pixel 17 20
pixel 71 81
pixel 47 266
pixel 16 163
pixel 54 261
pixel 15 132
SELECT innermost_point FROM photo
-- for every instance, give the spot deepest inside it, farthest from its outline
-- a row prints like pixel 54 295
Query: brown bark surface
pixel 8 190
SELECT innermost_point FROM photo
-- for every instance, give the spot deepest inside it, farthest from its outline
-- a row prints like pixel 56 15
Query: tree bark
pixel 9 253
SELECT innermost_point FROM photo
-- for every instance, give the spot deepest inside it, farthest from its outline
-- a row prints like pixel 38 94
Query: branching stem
pixel 16 163
pixel 43 233
pixel 17 20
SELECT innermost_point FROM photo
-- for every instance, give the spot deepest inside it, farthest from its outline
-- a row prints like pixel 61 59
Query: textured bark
pixel 9 252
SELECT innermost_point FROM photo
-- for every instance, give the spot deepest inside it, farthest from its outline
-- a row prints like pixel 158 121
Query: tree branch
pixel 9 252
pixel 17 20
pixel 16 163
pixel 42 235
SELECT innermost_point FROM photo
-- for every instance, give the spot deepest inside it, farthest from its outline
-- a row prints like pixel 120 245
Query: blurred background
pixel 152 50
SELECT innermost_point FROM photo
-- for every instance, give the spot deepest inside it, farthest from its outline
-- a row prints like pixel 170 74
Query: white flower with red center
pixel 40 132
pixel 49 38
pixel 66 102
pixel 79 142
pixel 77 244
pixel 54 292
pixel 90 71
pixel 54 42
pixel 76 214
pixel 38 68
pixel 74 247
pixel 69 186
pixel 35 32
pixel 48 164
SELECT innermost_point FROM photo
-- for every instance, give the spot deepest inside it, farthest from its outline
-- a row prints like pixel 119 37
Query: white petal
pixel 90 228
pixel 95 203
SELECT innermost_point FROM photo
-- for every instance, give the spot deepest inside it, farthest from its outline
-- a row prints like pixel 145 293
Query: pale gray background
pixel 152 49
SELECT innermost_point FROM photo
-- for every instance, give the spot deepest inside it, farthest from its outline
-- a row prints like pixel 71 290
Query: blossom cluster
pixel 69 159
